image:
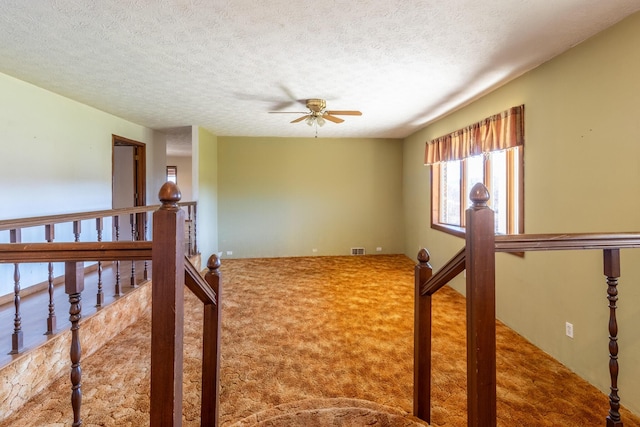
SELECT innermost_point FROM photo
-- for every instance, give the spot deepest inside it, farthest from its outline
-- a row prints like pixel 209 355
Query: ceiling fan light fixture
pixel 309 120
pixel 320 120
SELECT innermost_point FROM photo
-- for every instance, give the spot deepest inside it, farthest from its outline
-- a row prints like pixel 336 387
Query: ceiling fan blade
pixel 331 118
pixel 299 119
pixel 344 112
pixel 287 112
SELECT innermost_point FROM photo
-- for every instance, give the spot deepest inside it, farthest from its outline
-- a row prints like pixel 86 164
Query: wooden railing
pixel 478 259
pixel 139 223
pixel 171 270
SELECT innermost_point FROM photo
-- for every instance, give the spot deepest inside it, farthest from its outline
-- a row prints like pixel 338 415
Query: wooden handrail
pixel 534 242
pixel 76 251
pixel 196 284
pixel 11 224
pixel 564 241
pixel 451 269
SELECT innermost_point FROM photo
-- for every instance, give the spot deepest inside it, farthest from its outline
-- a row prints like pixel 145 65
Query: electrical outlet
pixel 229 252
pixel 569 329
pixel 314 250
pixel 379 249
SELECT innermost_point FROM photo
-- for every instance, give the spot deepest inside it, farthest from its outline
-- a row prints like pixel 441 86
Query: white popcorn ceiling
pixel 224 64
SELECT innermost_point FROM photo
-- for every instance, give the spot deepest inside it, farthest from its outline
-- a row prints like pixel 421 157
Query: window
pixel 490 152
pixel 499 171
pixel 172 174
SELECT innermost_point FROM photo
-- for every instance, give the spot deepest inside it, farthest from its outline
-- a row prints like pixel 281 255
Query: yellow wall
pixel 205 145
pixel 582 174
pixel 288 196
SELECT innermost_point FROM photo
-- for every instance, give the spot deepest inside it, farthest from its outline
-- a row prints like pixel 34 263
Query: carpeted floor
pixel 323 330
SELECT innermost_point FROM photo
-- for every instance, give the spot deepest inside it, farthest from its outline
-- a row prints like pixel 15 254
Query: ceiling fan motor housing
pixel 316 105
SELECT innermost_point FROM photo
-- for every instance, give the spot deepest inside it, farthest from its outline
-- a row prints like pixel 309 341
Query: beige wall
pixel 582 174
pixel 288 196
pixel 205 190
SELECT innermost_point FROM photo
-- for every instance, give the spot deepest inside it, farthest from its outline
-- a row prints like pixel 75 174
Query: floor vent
pixel 357 251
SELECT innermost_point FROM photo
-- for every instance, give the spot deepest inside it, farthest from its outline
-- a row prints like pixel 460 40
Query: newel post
pixel 211 348
pixel 167 312
pixel 422 340
pixel 481 310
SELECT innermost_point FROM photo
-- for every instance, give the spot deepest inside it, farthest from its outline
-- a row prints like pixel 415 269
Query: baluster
pixel 100 294
pixel 116 226
pixel 74 285
pixel 195 234
pixel 77 227
pixel 17 341
pixel 146 229
pixel 132 222
pixel 422 341
pixel 49 231
pixel 612 271
pixel 189 248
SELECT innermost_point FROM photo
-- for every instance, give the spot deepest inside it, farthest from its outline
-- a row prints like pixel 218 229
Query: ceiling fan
pixel 318 113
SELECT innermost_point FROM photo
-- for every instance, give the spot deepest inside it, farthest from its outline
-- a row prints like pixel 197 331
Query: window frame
pixel 172 171
pixel 515 225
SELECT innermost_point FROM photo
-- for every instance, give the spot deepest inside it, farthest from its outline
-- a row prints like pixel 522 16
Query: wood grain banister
pixel 451 269
pixel 74 251
pixel 534 242
pixel 196 284
pixel 565 241
pixel 9 224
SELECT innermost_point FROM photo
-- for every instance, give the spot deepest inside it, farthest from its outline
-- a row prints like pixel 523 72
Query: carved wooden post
pixel 481 310
pixel 116 226
pixel 167 310
pixel 77 229
pixel 612 271
pixel 422 341
pixel 100 293
pixel 17 339
pixel 74 285
pixel 189 221
pixel 211 348
pixel 146 230
pixel 195 234
pixel 132 222
pixel 49 231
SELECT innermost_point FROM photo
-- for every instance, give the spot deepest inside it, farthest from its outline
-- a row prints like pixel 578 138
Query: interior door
pixel 129 184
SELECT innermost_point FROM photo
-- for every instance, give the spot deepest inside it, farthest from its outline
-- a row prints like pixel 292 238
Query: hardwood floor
pixel 34 308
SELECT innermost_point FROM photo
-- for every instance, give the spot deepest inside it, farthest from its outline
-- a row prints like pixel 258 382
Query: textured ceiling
pixel 224 64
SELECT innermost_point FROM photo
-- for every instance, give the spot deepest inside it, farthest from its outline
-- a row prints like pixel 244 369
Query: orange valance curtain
pixel 499 132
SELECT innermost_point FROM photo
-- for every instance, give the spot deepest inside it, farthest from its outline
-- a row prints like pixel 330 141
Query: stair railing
pixel 171 271
pixel 138 218
pixel 478 259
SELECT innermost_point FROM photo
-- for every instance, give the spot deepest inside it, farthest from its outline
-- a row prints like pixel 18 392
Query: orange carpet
pixel 324 330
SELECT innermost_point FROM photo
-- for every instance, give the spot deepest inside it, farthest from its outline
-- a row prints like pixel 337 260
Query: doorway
pixel 129 183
